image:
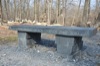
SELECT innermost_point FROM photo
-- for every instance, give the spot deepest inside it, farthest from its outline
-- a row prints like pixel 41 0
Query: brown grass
pixel 7 35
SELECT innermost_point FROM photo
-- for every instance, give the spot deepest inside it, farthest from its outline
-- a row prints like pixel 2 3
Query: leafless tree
pixel 49 11
pixel 15 10
pixel 1 11
pixel 86 13
pixel 64 11
pixel 76 14
pixel 58 3
pixel 28 9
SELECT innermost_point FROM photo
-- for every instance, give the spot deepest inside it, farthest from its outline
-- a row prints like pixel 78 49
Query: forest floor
pixel 44 54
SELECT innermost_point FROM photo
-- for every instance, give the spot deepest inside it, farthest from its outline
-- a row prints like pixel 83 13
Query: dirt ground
pixel 45 54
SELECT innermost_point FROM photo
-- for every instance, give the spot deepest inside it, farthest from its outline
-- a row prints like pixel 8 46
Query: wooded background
pixel 64 12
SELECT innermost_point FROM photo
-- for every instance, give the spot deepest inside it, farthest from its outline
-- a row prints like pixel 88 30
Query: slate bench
pixel 68 39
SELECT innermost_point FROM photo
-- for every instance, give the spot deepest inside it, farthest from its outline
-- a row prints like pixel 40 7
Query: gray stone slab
pixel 60 30
pixel 68 46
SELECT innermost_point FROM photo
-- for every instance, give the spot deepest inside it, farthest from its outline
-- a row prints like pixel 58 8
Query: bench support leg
pixel 27 40
pixel 22 39
pixel 67 46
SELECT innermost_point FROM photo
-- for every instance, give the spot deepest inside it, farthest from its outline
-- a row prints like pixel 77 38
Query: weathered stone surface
pixel 22 39
pixel 67 45
pixel 60 30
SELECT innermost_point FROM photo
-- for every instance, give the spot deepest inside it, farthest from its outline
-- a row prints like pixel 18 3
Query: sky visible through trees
pixel 93 2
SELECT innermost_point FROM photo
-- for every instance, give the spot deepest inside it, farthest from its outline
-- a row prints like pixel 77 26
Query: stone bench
pixel 68 39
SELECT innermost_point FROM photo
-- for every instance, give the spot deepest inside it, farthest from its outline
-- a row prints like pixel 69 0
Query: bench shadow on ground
pixel 51 43
pixel 48 43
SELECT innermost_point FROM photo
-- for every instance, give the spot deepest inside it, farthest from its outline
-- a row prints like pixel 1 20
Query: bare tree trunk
pixel 35 10
pixel 58 10
pixel 45 6
pixel 97 12
pixel 11 11
pixel 0 8
pixel 45 13
pixel 20 9
pixel 1 14
pixel 76 14
pixel 86 12
pixel 24 9
pixel 28 10
pixel 73 20
pixel 0 11
pixel 15 10
pixel 49 11
pixel 6 9
pixel 97 9
pixel 64 11
pixel 38 10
